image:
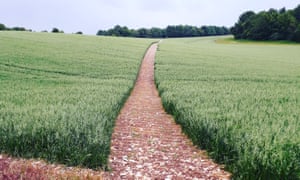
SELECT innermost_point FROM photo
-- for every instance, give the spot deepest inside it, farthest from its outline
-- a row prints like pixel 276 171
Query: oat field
pixel 60 94
pixel 239 100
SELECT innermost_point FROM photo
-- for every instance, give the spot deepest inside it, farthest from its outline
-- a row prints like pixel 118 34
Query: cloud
pixel 92 15
pixel 158 5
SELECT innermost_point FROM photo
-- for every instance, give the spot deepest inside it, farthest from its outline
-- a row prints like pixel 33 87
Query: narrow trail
pixel 148 144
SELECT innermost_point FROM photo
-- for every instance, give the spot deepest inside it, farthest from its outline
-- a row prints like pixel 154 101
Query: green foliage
pixel 55 30
pixel 60 94
pixel 157 32
pixel 143 33
pixel 297 34
pixel 18 29
pixel 238 101
pixel 169 31
pixel 2 27
pixel 267 25
pixel 296 13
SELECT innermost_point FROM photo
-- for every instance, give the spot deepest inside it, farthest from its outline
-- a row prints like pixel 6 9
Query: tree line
pixel 274 24
pixel 54 30
pixel 4 28
pixel 169 31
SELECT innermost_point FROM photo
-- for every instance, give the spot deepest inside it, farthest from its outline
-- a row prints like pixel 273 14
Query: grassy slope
pixel 239 101
pixel 60 94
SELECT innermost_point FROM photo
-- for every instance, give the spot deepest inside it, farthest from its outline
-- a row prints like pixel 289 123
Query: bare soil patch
pixel 33 169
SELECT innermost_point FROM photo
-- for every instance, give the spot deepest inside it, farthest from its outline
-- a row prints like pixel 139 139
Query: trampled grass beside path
pixel 240 101
pixel 60 94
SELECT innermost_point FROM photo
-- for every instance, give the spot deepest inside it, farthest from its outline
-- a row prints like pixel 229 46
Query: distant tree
pixel 179 31
pixel 268 25
pixel 219 31
pixel 2 27
pixel 55 30
pixel 297 34
pixel 205 30
pixel 101 33
pixel 79 32
pixel 124 31
pixel 189 31
pixel 134 33
pixel 157 32
pixel 116 31
pixel 245 17
pixel 282 11
pixel 18 29
pixel 143 32
pixel 199 32
pixel 261 27
pixel 226 30
pixel 286 26
pixel 169 31
pixel 211 30
pixel 296 13
pixel 244 22
pixel 193 31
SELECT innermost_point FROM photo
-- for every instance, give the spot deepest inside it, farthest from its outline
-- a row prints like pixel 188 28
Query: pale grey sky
pixel 91 15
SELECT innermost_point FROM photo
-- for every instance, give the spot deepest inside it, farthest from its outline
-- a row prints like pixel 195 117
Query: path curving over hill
pixel 148 144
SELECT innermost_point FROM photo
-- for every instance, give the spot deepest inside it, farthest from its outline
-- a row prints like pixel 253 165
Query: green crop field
pixel 60 94
pixel 240 101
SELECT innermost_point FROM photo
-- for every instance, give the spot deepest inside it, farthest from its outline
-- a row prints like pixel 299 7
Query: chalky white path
pixel 147 143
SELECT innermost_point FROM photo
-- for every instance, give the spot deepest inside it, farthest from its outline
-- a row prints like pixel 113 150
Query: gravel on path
pixel 148 144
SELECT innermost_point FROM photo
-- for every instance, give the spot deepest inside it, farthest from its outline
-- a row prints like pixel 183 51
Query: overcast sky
pixel 89 16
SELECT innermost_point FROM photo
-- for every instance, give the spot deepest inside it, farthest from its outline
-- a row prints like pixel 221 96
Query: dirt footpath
pixel 147 143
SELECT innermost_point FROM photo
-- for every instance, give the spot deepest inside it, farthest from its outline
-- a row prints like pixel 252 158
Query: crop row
pixel 238 101
pixel 60 94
